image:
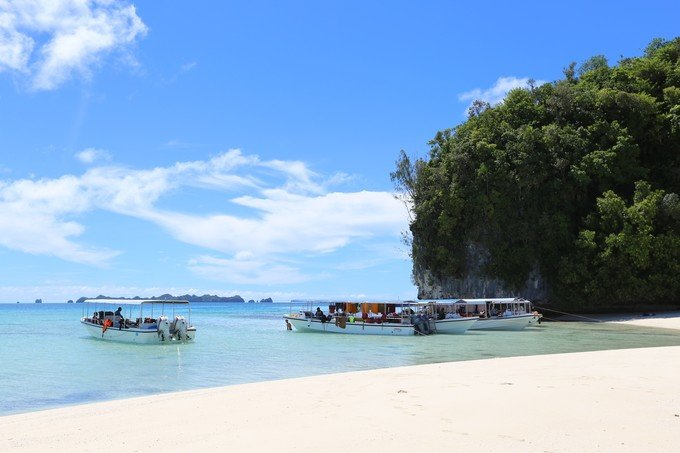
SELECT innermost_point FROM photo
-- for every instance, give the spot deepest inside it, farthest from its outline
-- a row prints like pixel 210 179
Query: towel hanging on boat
pixel 341 321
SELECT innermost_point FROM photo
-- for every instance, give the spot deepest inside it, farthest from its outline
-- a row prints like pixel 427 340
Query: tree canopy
pixel 576 179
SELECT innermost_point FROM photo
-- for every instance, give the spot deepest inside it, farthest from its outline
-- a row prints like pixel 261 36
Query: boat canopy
pixel 498 300
pixel 134 301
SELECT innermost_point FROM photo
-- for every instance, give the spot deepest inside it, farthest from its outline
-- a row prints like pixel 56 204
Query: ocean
pixel 50 361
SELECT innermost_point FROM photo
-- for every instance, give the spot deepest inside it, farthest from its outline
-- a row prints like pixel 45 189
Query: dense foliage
pixel 576 180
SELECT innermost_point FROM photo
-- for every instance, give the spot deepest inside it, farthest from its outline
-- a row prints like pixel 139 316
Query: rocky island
pixel 565 193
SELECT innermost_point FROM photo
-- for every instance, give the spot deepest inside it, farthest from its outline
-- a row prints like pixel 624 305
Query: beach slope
pixel 622 400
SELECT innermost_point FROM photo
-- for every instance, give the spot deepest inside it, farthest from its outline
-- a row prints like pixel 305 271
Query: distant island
pixel 268 300
pixel 189 297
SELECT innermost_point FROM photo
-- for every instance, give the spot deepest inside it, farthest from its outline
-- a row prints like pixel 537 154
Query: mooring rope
pixel 568 314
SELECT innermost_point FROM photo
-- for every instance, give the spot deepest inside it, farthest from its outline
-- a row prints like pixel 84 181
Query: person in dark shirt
pixel 119 315
pixel 319 314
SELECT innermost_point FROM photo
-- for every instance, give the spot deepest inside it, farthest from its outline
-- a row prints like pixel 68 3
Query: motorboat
pixel 361 318
pixel 447 317
pixel 498 313
pixel 138 321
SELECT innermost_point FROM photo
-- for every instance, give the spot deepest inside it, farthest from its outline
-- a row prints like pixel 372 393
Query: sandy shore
pixel 665 320
pixel 624 400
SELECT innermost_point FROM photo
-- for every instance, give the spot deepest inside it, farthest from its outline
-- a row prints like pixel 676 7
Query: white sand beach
pixel 622 400
pixel 665 320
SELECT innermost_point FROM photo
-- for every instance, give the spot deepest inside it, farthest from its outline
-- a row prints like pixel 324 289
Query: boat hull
pixel 352 328
pixel 133 335
pixel 454 325
pixel 515 322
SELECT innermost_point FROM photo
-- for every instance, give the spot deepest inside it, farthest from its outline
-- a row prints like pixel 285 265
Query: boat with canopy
pixel 373 318
pixel 138 320
pixel 491 314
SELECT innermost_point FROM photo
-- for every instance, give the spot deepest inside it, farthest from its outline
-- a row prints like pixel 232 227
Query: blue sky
pixel 245 147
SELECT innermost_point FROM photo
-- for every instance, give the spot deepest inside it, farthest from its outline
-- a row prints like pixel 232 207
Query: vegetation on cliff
pixel 575 180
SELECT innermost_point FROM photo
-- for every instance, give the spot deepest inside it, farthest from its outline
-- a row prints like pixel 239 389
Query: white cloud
pixel 299 176
pixel 246 269
pixel 90 155
pixel 175 143
pixel 279 209
pixel 186 67
pixel 289 223
pixel 33 219
pixel 15 48
pixel 50 40
pixel 496 93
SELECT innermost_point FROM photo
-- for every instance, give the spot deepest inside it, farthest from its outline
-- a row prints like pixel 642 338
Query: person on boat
pixel 508 312
pixel 119 315
pixel 319 314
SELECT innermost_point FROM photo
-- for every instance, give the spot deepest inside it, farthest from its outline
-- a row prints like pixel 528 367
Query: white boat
pixel 364 318
pixel 447 318
pixel 499 313
pixel 139 321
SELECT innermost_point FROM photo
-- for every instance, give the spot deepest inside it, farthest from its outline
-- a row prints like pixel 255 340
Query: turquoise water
pixel 50 361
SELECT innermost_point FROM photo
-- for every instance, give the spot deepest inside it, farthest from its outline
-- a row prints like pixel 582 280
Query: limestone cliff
pixel 475 284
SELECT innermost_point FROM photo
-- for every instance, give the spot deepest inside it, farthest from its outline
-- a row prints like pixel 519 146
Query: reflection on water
pixel 51 361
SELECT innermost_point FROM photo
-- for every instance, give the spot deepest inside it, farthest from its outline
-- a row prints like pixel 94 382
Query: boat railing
pixel 390 318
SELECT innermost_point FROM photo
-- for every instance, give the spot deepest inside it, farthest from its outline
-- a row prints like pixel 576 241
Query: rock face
pixel 430 287
pixel 475 284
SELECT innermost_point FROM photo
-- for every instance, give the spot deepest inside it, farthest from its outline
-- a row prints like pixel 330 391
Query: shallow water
pixel 50 360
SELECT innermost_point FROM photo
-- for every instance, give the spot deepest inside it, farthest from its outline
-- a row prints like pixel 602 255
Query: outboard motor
pixel 420 324
pixel 163 328
pixel 180 328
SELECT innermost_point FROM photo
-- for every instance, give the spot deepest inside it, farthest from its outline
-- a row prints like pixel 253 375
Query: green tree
pixel 577 179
